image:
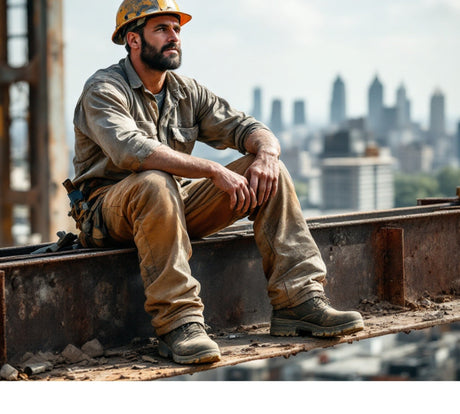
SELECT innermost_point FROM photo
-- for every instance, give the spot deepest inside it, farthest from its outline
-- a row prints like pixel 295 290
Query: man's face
pixel 161 47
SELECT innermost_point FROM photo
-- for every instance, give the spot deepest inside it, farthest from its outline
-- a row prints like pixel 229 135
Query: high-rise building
pixel 338 102
pixel 437 116
pixel 257 104
pixel 299 113
pixel 357 184
pixel 415 157
pixel 402 108
pixel 276 119
pixel 458 142
pixel 375 105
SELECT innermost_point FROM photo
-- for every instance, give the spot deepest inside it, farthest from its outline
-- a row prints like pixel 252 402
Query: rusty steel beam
pixel 248 344
pixel 6 211
pixel 27 73
pixel 3 352
pixel 48 146
pixel 71 297
pixel 389 265
pixel 48 151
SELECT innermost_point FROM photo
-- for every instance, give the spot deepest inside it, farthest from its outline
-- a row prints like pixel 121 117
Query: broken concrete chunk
pixel 9 373
pixel 73 355
pixel 93 348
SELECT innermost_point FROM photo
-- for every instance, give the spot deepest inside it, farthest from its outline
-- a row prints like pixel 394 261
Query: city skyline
pixel 281 115
pixel 293 50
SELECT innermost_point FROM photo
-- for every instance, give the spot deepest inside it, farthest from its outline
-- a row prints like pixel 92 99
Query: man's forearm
pixel 262 142
pixel 184 165
pixel 180 164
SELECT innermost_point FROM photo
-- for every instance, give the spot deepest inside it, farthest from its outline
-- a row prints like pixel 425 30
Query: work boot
pixel 317 317
pixel 189 344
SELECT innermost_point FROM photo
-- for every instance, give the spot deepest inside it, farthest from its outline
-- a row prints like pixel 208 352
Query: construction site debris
pixel 148 358
pixel 34 369
pixel 93 348
pixel 73 355
pixel 9 373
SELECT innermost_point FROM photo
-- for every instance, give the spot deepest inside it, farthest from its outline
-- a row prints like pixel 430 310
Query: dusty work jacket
pixel 117 123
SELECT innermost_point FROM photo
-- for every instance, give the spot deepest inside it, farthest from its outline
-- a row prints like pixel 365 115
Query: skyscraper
pixel 458 142
pixel 257 104
pixel 276 119
pixel 437 115
pixel 375 105
pixel 338 103
pixel 299 113
pixel 402 108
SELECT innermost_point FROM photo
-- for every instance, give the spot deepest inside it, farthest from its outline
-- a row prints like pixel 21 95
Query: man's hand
pixel 263 174
pixel 242 196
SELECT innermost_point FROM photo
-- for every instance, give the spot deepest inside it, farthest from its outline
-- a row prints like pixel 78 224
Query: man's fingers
pixel 233 200
pixel 244 199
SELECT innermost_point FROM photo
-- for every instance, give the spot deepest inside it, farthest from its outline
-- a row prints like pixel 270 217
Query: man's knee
pixel 157 184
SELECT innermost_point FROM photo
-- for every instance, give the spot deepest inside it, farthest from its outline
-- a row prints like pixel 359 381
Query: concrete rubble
pixel 9 373
pixel 93 349
pixel 41 362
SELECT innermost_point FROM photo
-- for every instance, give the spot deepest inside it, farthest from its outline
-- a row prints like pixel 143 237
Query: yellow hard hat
pixel 131 10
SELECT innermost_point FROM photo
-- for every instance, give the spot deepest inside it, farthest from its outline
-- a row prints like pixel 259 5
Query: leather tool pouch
pixel 87 214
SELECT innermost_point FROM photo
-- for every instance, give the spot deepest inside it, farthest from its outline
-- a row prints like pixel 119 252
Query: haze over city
pixel 293 50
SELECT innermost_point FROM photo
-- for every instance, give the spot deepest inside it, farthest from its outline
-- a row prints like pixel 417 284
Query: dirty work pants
pixel 151 209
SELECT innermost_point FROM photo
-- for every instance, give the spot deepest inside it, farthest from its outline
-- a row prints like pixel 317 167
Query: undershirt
pixel 160 98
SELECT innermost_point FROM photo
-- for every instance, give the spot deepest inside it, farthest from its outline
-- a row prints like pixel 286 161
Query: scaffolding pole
pixel 47 157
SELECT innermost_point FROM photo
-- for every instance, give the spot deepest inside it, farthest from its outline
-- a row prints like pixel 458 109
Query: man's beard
pixel 155 59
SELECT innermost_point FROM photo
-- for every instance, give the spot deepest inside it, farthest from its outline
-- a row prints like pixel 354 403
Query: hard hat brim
pixel 118 39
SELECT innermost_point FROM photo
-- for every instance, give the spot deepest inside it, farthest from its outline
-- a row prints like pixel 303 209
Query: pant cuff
pixel 163 330
pixel 298 299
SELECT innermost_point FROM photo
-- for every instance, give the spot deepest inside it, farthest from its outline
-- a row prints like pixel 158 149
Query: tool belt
pixel 86 210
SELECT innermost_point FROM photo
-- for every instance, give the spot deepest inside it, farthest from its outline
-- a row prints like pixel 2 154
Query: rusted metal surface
pixel 141 362
pixel 6 213
pixel 48 152
pixel 389 265
pixel 431 239
pixel 3 353
pixel 75 296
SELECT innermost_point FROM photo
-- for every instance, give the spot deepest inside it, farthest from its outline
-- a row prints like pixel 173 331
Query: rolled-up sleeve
pixel 221 126
pixel 103 116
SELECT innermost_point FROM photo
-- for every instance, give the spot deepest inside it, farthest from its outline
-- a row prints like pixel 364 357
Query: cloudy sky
pixel 294 49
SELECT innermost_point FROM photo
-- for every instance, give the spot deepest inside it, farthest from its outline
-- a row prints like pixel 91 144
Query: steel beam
pixel 71 297
pixel 389 269
pixel 3 350
pixel 48 152
pixel 6 211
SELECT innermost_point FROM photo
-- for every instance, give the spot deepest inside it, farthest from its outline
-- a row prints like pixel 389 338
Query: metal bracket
pixel 389 258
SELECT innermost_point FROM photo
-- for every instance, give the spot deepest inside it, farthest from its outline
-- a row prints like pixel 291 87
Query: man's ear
pixel 133 40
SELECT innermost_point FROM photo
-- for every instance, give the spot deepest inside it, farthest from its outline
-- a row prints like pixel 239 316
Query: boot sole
pixel 286 327
pixel 203 357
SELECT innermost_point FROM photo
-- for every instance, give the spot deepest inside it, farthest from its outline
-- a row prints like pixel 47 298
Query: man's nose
pixel 173 36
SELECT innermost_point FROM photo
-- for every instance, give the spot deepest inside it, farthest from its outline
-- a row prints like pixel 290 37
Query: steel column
pixel 3 349
pixel 48 151
pixel 6 211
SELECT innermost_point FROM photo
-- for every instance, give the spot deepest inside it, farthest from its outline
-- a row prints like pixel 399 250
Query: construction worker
pixel 136 123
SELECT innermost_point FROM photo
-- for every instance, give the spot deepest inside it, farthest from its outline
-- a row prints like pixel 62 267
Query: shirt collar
pixel 133 78
pixel 172 85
